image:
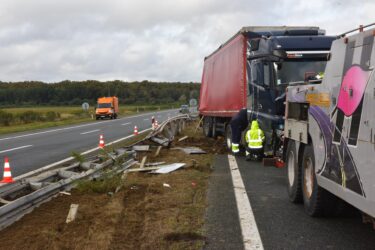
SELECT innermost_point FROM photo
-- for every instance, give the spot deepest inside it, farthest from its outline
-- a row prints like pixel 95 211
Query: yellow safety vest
pixel 255 136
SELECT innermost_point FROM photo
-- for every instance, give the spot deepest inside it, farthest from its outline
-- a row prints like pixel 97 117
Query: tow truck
pixel 330 130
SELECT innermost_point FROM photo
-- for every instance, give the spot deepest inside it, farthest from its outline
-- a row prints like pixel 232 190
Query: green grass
pixel 70 115
pixel 104 185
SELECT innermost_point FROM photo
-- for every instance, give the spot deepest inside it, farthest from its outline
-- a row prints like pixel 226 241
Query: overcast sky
pixel 164 40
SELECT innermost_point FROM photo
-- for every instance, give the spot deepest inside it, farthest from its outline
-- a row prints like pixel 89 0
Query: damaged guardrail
pixel 22 196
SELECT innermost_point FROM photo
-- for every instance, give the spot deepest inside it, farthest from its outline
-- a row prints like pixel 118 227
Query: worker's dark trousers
pixel 255 153
pixel 238 124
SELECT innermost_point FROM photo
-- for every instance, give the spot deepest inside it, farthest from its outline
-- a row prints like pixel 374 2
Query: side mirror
pixel 275 56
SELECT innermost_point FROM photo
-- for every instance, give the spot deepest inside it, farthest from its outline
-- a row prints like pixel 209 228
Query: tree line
pixel 76 92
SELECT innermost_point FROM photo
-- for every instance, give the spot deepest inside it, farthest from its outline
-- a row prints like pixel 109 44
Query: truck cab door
pixel 262 94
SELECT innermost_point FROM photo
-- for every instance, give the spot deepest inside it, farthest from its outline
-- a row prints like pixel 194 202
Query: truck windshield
pixel 104 105
pixel 294 71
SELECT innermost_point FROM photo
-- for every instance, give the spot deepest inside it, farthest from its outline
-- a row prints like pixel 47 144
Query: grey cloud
pixel 136 40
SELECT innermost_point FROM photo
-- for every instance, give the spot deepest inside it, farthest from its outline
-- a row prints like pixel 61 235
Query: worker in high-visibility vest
pixel 254 139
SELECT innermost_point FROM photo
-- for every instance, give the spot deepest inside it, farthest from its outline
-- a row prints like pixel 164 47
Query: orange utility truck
pixel 107 107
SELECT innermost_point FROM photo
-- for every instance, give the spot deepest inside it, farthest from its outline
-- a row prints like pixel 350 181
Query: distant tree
pixel 74 93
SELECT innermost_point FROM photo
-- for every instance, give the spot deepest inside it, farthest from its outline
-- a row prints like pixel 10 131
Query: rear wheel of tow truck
pixel 294 176
pixel 228 137
pixel 317 201
pixel 207 126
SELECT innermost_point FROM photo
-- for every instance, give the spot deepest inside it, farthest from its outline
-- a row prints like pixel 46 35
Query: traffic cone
pixel 7 174
pixel 135 130
pixel 101 141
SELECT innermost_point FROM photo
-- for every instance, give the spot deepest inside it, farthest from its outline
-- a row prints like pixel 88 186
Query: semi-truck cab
pixel 330 131
pixel 252 70
pixel 276 59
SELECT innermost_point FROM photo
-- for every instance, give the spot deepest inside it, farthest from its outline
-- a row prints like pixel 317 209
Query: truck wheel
pixel 294 175
pixel 228 137
pixel 214 130
pixel 207 126
pixel 317 201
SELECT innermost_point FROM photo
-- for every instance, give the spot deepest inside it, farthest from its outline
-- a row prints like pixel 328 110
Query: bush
pixel 30 116
pixel 6 118
pixel 52 116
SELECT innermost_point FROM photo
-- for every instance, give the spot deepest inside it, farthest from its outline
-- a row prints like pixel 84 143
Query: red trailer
pixel 223 90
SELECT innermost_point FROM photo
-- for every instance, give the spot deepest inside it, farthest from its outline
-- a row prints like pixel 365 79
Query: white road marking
pixel 249 229
pixel 68 128
pixel 127 123
pixel 92 131
pixel 52 165
pixel 12 149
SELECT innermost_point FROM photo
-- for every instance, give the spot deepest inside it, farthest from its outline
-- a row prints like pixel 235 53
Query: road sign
pixel 193 102
pixel 85 106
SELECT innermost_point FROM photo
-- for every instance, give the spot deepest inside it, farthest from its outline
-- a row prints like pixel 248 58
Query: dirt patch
pixel 144 214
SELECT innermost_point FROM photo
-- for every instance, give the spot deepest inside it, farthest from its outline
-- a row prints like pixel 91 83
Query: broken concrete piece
pixel 143 162
pixel 153 164
pixel 35 185
pixel 141 148
pixel 191 150
pixel 72 213
pixel 66 193
pixel 142 169
pixel 166 185
pixel 85 165
pixel 66 174
pixel 3 201
pixel 168 168
pixel 183 138
pixel 162 141
pixel 157 151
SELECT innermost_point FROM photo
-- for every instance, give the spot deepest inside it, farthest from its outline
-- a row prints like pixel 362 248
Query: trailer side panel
pixel 223 90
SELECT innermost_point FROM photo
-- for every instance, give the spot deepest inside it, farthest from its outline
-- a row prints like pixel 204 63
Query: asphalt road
pixel 28 151
pixel 281 224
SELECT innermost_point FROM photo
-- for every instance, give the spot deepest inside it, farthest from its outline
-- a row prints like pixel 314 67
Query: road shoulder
pixel 222 226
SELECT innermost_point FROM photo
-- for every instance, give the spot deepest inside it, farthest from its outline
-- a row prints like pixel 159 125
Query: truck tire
pixel 294 175
pixel 214 129
pixel 317 201
pixel 228 137
pixel 207 126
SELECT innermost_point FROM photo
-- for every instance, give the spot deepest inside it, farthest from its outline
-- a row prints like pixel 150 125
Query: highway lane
pixel 281 224
pixel 31 150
